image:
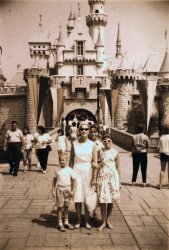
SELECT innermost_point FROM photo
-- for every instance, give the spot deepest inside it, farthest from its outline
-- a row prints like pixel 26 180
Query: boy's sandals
pixel 109 225
pixel 69 226
pixel 101 227
pixel 76 226
pixel 61 228
pixel 87 226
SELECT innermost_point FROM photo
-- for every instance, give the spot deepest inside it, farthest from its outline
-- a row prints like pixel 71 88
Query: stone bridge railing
pixel 124 140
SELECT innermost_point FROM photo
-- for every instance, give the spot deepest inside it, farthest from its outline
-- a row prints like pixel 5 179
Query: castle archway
pixel 81 115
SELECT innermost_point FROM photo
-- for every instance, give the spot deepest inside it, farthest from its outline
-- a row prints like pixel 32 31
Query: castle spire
pixel 79 11
pixel 71 23
pixel 118 43
pixel 166 38
pixel 60 39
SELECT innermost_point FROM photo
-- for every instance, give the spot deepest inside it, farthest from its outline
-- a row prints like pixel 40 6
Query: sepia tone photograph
pixel 84 125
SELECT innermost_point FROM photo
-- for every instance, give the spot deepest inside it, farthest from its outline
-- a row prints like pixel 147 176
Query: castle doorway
pixel 80 115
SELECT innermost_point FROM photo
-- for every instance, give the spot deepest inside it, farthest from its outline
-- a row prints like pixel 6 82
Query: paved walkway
pixel 28 213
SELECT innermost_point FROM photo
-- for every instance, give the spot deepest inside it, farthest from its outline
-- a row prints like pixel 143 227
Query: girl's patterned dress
pixel 108 183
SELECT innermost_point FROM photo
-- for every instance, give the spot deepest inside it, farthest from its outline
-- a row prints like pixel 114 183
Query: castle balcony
pixel 96 18
pixel 96 1
pixel 80 83
pixel 13 91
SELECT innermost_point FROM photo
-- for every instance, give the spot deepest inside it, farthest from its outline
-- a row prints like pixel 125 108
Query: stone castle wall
pixel 11 108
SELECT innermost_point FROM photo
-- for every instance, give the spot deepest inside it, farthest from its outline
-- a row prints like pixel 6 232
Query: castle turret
pixel 96 20
pixel 122 86
pixel 70 24
pixel 40 47
pixel 163 87
pixel 2 78
pixel 100 51
pixel 59 47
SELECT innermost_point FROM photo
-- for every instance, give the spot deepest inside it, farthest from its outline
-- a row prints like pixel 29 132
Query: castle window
pixel 80 48
pixel 80 70
pixel 97 11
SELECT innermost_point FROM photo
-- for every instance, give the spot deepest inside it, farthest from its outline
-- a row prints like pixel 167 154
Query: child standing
pixel 108 183
pixel 27 150
pixel 63 188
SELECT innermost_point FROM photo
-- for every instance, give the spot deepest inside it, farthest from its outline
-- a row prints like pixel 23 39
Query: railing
pixel 12 90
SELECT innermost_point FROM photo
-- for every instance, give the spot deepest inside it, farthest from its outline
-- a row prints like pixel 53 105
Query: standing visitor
pixel 35 145
pixel 104 128
pixel 73 132
pixel 93 136
pixel 108 183
pixel 43 140
pixel 12 144
pixel 61 142
pixel 63 125
pixel 100 128
pixel 163 146
pixel 83 155
pixel 63 188
pixel 139 153
pixel 27 149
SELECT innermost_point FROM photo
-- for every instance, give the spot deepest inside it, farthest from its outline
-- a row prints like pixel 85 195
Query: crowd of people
pixel 87 163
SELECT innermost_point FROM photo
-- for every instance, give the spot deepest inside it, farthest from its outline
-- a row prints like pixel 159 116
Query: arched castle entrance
pixel 80 114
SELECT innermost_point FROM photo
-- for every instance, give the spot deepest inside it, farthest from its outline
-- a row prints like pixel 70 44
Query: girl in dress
pixel 93 136
pixel 83 155
pixel 108 183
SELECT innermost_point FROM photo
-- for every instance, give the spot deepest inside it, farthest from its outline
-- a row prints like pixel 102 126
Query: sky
pixel 142 24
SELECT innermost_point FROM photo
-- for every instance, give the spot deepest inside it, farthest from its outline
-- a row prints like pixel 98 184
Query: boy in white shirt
pixel 63 188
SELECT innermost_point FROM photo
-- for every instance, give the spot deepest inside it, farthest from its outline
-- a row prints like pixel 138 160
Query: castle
pixel 73 78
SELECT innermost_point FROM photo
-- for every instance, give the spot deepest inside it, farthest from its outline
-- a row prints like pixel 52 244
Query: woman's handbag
pixel 92 200
pixel 48 147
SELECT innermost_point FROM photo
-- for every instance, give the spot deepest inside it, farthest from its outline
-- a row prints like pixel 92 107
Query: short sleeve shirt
pixel 14 136
pixel 28 141
pixel 45 137
pixel 64 176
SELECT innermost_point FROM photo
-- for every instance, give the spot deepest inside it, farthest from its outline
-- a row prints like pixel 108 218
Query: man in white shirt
pixel 139 154
pixel 12 144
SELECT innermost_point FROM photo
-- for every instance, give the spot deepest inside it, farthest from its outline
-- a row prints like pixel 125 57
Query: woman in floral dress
pixel 108 183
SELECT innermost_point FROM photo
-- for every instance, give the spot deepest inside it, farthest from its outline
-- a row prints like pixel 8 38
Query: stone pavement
pixel 28 213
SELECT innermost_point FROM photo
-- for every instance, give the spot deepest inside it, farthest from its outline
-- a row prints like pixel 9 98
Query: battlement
pixel 13 91
pixel 96 1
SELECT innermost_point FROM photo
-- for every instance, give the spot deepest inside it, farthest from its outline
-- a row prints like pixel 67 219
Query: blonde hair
pixel 84 123
pixel 63 155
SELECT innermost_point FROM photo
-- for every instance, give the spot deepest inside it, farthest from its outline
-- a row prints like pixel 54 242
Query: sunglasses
pixel 82 129
pixel 107 141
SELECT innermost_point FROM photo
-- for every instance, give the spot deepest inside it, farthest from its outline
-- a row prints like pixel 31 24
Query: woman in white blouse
pixel 43 140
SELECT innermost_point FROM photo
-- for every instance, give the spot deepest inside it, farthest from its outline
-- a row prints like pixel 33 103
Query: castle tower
pixel 118 43
pixel 163 87
pixel 96 20
pixel 59 47
pixel 122 84
pixel 40 47
pixel 2 78
pixel 100 51
pixel 70 24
